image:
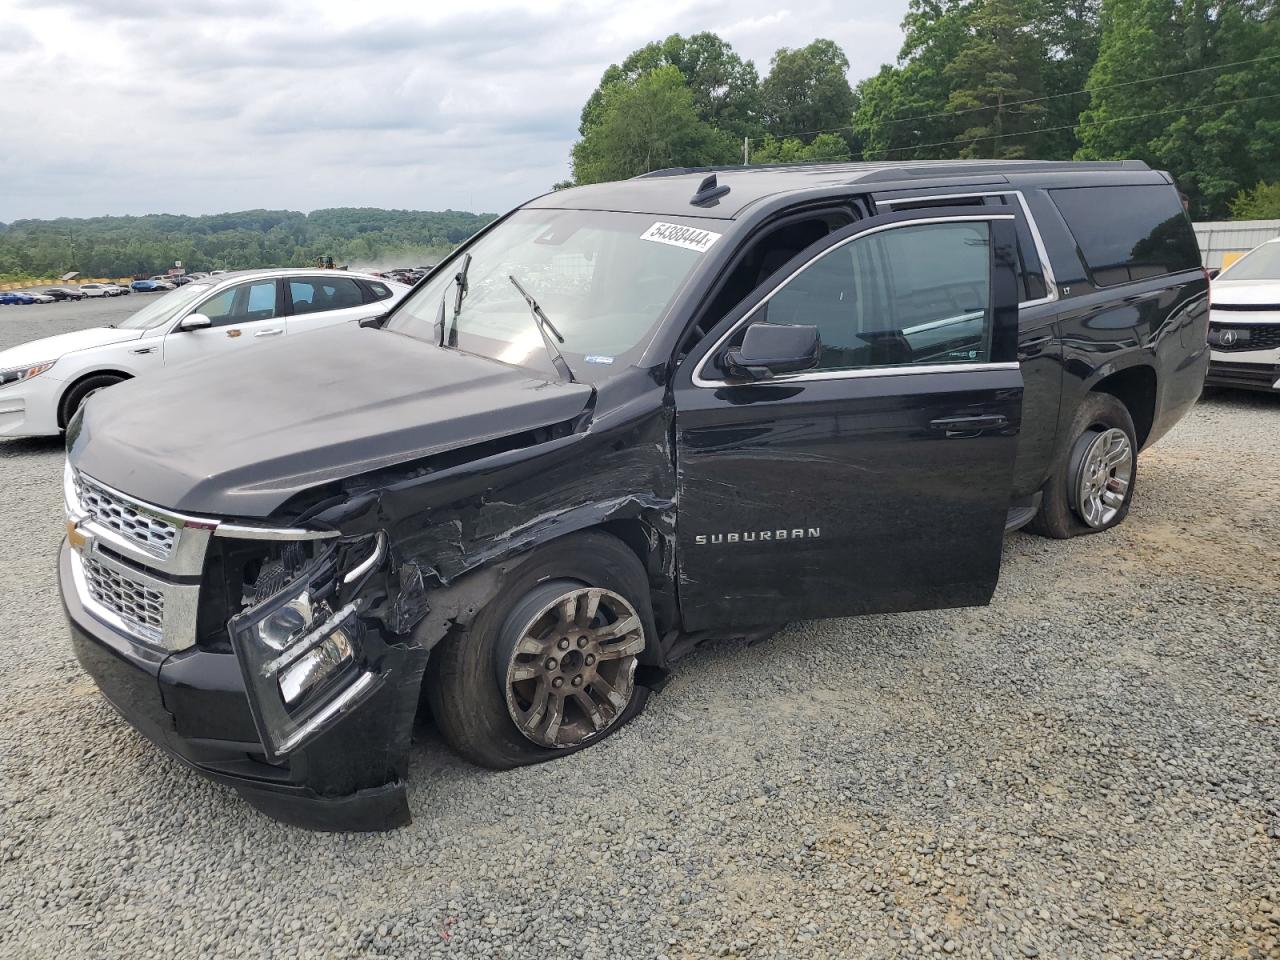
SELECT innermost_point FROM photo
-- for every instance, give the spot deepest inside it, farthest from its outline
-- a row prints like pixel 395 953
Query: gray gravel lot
pixel 1087 768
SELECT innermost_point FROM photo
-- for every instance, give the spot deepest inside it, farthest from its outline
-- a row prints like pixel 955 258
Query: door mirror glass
pixel 769 349
pixel 195 321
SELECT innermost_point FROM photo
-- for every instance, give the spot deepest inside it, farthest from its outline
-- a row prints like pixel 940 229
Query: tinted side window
pixel 242 304
pixel 1129 233
pixel 912 294
pixel 380 290
pixel 1031 282
pixel 318 294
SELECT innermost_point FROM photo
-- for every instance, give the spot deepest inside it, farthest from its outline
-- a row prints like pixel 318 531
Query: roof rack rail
pixel 884 169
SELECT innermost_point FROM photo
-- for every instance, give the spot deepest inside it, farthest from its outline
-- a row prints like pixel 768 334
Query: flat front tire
pixel 548 666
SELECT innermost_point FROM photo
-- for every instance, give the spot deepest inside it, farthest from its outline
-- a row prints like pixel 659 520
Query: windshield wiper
pixel 543 324
pixel 460 291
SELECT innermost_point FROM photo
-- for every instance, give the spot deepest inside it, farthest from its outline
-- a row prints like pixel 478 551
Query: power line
pixel 1028 133
pixel 1052 96
pixel 1090 123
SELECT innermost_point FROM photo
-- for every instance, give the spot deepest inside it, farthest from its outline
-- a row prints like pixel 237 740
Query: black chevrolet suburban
pixel 621 419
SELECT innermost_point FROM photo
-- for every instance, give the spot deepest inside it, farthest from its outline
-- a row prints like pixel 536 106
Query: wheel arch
pixel 1135 387
pixel 453 605
pixel 81 378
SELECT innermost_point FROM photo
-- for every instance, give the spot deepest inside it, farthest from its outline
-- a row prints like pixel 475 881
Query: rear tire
pixel 74 398
pixel 1094 475
pixel 484 678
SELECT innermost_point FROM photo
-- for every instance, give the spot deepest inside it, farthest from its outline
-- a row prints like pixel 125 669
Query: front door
pixel 248 313
pixel 879 480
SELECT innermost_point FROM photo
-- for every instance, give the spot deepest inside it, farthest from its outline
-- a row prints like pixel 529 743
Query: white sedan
pixel 1244 322
pixel 44 382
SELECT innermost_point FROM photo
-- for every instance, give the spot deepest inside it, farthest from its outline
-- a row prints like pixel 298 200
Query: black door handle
pixel 969 426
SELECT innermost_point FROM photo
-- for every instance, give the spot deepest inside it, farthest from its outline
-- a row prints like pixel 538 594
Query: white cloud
pixel 129 106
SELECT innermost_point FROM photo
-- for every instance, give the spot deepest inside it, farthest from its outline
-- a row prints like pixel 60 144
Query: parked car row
pixel 161 283
pixel 622 419
pixel 51 294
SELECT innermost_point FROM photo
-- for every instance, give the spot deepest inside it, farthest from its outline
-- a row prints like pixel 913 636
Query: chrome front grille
pixel 138 567
pixel 140 528
pixel 139 606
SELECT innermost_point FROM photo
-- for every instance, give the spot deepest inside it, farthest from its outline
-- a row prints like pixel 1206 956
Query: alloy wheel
pixel 571 674
pixel 1103 477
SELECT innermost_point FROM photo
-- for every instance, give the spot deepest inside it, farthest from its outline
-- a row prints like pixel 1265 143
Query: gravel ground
pixel 1087 768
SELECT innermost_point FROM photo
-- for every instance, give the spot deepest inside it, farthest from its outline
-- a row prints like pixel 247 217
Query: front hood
pixel 51 348
pixel 1247 292
pixel 237 436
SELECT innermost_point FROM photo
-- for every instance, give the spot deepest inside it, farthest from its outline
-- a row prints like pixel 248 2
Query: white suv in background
pixel 1244 322
pixel 44 382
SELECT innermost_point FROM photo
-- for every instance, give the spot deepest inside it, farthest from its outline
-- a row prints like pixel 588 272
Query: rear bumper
pixel 193 706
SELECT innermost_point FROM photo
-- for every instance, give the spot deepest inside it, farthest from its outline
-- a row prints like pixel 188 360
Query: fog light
pixel 314 667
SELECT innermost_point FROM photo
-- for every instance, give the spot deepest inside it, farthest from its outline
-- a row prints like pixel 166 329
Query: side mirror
pixel 196 321
pixel 372 321
pixel 769 349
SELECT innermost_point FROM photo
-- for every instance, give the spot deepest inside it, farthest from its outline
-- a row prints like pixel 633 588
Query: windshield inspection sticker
pixel 599 359
pixel 691 238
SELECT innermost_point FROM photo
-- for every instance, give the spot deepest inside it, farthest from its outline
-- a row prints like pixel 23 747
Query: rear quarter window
pixel 1129 232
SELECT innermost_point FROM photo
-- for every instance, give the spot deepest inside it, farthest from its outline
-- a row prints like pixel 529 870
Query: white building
pixel 1218 237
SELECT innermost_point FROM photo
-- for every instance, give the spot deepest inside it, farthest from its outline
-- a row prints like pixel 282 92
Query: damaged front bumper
pixel 346 774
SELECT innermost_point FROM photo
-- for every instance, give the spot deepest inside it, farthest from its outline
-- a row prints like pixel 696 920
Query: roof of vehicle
pixel 671 191
pixel 238 275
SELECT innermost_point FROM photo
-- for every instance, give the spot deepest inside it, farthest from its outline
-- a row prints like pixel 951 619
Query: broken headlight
pixel 301 648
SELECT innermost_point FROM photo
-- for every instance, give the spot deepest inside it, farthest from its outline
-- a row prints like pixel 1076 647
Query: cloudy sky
pixel 132 106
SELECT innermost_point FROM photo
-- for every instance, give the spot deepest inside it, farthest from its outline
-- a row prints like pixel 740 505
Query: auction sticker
pixel 691 238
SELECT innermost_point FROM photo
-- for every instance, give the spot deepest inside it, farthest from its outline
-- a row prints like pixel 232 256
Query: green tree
pixel 1212 118
pixel 645 125
pixel 991 79
pixel 825 147
pixel 962 63
pixel 723 85
pixel 1070 31
pixel 122 246
pixel 807 90
pixel 1260 203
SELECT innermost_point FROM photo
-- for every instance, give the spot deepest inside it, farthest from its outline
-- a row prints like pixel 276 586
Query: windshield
pixel 603 279
pixel 165 307
pixel 1261 263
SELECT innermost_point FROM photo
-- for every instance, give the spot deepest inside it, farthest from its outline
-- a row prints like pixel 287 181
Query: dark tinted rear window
pixel 1129 233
